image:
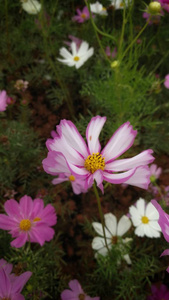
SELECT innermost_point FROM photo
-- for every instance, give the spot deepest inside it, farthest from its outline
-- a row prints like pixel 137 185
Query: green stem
pixel 47 46
pixel 122 31
pixel 96 30
pixel 135 39
pixel 100 213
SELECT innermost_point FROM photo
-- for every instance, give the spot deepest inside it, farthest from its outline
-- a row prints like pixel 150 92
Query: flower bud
pixel 115 64
pixel 154 8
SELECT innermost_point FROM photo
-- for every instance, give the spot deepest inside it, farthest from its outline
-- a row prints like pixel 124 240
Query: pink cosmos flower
pixel 164 224
pixel 155 172
pixel 109 53
pixel 76 292
pixel 164 4
pixel 160 292
pixel 89 163
pixel 4 100
pixel 28 220
pixel 166 82
pixel 10 284
pixel 82 15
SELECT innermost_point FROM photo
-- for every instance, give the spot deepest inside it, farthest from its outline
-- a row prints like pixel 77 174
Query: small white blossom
pixel 98 8
pixel 32 7
pixel 145 219
pixel 120 4
pixel 77 57
pixel 113 232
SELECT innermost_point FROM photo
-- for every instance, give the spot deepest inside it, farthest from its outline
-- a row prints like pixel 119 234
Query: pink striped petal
pixel 12 209
pixel 55 163
pixel 144 158
pixel 92 133
pixel 163 220
pixel 76 287
pixel 20 281
pixel 7 223
pixel 26 206
pixel 48 215
pixel 5 285
pixel 120 142
pixel 71 155
pixel 20 240
pixel 118 178
pixel 73 137
pixel 38 206
pixel 141 178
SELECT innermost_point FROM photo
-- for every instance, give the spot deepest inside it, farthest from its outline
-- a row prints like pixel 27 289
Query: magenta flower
pixel 76 292
pixel 4 100
pixel 28 220
pixel 82 15
pixel 89 163
pixel 159 293
pixel 155 172
pixel 10 284
pixel 164 224
pixel 166 82
pixel 152 19
pixel 164 4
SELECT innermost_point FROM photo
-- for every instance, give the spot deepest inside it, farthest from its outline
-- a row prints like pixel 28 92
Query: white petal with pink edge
pixel 92 133
pixel 118 178
pixel 72 156
pixel 120 142
pixel 141 178
pixel 142 159
pixel 72 137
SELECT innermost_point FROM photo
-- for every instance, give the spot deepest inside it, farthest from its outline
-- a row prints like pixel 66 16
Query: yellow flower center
pixel 114 239
pixel 76 58
pixel 121 4
pixel 103 8
pixel 25 224
pixel 37 219
pixel 72 178
pixel 81 297
pixel 83 16
pixel 144 220
pixel 94 162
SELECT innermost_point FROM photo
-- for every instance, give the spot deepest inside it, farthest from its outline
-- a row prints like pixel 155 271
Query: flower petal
pixel 76 287
pixel 123 226
pixel 72 136
pixel 111 223
pixel 163 220
pixel 5 285
pixel 26 206
pixel 12 208
pixel 141 178
pixel 20 240
pixel 151 212
pixel 92 133
pixel 144 158
pixel 118 178
pixel 140 205
pixel 55 163
pixel 20 281
pixel 120 142
pixel 7 223
pixel 98 228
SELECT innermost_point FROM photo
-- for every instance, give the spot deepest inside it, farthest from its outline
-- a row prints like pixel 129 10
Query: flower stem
pixel 100 213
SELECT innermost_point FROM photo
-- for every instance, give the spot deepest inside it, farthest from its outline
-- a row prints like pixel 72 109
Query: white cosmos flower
pixel 113 231
pixel 97 8
pixel 120 4
pixel 145 219
pixel 77 57
pixel 32 7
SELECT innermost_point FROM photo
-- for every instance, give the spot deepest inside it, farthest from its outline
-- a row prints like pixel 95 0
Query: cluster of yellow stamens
pixel 25 224
pixel 72 178
pixel 83 16
pixel 76 58
pixel 144 220
pixel 36 219
pixel 94 162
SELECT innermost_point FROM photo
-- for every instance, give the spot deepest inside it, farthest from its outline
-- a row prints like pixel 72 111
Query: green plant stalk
pixel 100 213
pixel 97 30
pixel 122 31
pixel 135 39
pixel 64 89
